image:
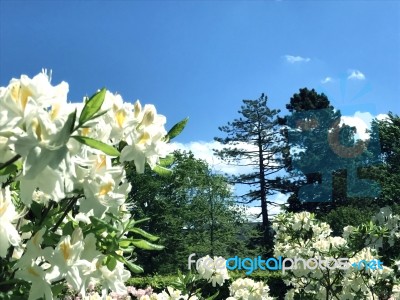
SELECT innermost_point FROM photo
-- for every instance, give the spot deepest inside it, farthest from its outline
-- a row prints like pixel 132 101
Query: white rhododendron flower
pixel 8 216
pixel 15 97
pixel 5 150
pixel 41 286
pixel 50 181
pixel 113 280
pixel 146 139
pixel 33 250
pixel 105 187
pixel 248 289
pixel 66 259
pixel 347 231
pixel 169 294
pixel 396 292
pixel 119 114
pixel 36 127
pixel 213 270
pixel 392 222
pixel 301 219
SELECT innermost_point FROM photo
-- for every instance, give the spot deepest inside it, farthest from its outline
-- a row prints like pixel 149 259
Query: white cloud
pixel 382 117
pixel 326 80
pixel 356 75
pixel 252 212
pixel 204 150
pixel 296 59
pixel 362 122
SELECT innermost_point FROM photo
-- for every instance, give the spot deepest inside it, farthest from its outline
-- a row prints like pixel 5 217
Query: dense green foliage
pixel 316 171
pixel 191 210
pixel 352 187
pixel 387 131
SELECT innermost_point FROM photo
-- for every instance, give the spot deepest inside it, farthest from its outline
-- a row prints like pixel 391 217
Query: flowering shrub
pixel 248 289
pixel 302 235
pixel 63 217
pixel 214 271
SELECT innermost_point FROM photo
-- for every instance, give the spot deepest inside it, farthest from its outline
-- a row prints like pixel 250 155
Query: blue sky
pixel 201 58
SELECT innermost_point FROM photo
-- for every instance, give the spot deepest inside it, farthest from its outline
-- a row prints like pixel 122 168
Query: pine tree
pixel 255 140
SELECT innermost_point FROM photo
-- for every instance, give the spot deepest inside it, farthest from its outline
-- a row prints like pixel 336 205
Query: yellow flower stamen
pixel 85 131
pixel 120 116
pixel 3 207
pixel 55 109
pixel 101 162
pixel 65 249
pixel 105 189
pixel 32 272
pixel 21 95
pixel 144 138
pixel 37 128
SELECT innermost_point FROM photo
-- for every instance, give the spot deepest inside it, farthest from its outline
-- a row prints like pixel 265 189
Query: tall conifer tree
pixel 255 140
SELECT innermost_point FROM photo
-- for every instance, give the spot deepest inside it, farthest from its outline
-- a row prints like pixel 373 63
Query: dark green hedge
pixel 159 282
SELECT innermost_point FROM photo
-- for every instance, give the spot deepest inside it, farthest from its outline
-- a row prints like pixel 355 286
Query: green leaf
pixel 9 169
pixel 145 245
pixel 107 149
pixel 162 171
pixel 124 243
pixel 99 222
pixel 27 227
pixel 50 239
pixel 71 121
pixel 122 145
pixel 128 250
pixel 177 129
pixel 140 221
pixel 57 289
pixel 68 228
pixel 145 234
pixel 167 161
pixel 213 296
pixel 131 266
pixel 36 209
pixel 111 263
pixel 99 114
pixel 92 106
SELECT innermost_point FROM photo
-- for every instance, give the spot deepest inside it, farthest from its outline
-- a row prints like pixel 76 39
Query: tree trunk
pixel 263 196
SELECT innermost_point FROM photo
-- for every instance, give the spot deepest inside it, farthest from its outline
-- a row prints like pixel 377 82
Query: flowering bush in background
pixel 248 289
pixel 302 235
